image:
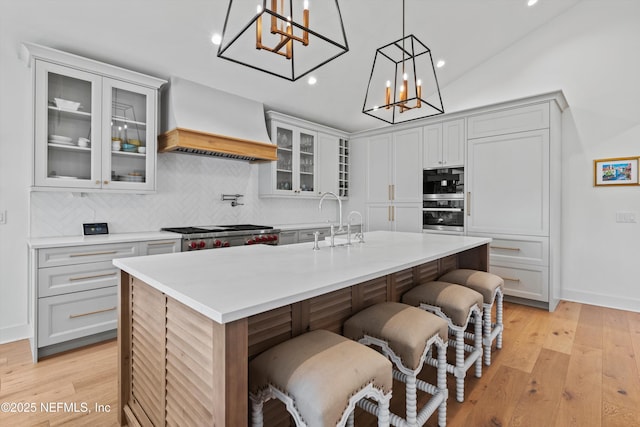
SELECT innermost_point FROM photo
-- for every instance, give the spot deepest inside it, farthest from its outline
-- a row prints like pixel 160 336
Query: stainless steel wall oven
pixel 443 200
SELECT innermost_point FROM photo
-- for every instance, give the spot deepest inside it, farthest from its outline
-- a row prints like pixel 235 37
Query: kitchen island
pixel 190 322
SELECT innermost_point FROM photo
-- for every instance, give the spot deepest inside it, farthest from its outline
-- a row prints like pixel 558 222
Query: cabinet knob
pixel 105 182
pixel 98 181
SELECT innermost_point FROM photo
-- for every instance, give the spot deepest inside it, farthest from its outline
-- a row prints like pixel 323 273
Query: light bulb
pixel 419 82
pixel 306 4
pixel 216 39
pixel 531 2
pixel 440 63
pixel 312 80
pixel 259 9
pixel 388 83
pixel 404 76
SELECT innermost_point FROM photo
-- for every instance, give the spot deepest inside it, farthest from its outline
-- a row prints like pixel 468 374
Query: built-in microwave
pixel 443 200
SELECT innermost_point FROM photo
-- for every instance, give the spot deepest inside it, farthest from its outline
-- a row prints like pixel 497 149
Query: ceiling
pixel 170 37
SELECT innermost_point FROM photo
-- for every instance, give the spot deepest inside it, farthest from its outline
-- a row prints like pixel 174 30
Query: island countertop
pixel 238 282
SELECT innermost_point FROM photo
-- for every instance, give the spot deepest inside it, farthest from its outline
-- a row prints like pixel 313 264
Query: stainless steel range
pixel 224 236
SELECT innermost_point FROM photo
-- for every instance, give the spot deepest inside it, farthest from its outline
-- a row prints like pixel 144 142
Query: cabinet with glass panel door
pixel 95 125
pixel 294 173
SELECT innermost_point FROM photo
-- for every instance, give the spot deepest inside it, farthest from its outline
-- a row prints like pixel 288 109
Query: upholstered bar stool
pixel 320 376
pixel 491 287
pixel 407 335
pixel 459 306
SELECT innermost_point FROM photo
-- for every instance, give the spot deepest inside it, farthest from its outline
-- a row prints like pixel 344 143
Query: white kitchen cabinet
pixel 156 247
pixel 333 164
pixel 397 217
pixel 312 159
pixel 80 106
pixel 394 167
pixel 76 287
pixel 394 181
pixel 295 171
pixel 513 194
pixel 444 144
pixel 508 184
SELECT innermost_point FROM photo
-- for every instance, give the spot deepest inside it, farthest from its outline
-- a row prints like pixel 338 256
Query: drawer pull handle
pixel 506 248
pixel 104 310
pixel 94 253
pixel 511 279
pixel 159 243
pixel 95 276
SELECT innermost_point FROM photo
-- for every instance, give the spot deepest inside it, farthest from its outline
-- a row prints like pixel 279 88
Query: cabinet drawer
pixel 307 234
pixel 512 120
pixel 52 257
pixel 528 282
pixel 288 237
pixel 160 247
pixel 73 278
pixel 70 316
pixel 530 250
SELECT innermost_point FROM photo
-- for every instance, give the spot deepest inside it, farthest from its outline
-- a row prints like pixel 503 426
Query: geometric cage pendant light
pixel 403 85
pixel 284 38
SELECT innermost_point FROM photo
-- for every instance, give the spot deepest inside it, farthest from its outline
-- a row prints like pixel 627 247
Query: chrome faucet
pixel 360 235
pixel 340 228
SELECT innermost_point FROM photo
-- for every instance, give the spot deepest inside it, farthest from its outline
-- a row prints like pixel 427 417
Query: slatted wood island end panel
pixel 180 367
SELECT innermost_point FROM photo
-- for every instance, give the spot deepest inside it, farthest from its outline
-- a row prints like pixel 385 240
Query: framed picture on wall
pixel 616 171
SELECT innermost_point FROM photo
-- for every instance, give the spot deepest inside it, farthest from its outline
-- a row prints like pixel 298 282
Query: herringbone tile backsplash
pixel 189 189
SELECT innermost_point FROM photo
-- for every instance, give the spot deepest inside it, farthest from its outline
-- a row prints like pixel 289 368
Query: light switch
pixel 626 217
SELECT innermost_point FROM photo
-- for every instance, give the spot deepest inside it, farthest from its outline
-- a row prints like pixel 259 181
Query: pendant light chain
pixel 403 37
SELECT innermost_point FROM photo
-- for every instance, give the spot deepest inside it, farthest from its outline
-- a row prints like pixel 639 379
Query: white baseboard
pixel 602 300
pixel 15 333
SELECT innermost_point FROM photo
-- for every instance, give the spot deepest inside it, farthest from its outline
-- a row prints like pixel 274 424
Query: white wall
pixel 591 53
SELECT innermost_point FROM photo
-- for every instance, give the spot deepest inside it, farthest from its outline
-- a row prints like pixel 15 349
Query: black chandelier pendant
pixel 403 85
pixel 284 38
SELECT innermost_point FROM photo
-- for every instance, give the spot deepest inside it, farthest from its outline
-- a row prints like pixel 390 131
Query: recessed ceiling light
pixel 440 63
pixel 312 80
pixel 216 39
pixel 531 2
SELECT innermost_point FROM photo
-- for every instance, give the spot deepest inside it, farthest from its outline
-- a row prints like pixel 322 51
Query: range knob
pixel 226 244
pixel 202 244
pixel 217 243
pixel 193 245
pixel 250 241
pixel 260 239
pixel 274 237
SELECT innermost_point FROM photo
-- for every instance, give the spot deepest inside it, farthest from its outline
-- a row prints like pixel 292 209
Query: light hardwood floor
pixel 578 366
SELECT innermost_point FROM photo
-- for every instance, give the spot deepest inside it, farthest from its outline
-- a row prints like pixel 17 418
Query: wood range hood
pixel 201 120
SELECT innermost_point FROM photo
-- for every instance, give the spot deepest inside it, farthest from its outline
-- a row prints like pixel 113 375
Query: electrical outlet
pixel 3 217
pixel 626 217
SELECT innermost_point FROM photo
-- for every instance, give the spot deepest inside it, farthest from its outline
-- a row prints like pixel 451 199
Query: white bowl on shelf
pixel 66 104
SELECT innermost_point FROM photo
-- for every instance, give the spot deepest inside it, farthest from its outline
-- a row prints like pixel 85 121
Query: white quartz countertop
pixel 233 283
pixel 52 242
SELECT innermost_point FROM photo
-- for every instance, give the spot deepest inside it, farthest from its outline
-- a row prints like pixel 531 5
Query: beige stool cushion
pixel 320 371
pixel 454 300
pixel 479 281
pixel 404 327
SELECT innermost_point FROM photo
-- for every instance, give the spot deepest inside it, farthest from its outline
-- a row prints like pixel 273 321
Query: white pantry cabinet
pixel 444 144
pixel 394 181
pixel 513 194
pixel 81 106
pixel 312 159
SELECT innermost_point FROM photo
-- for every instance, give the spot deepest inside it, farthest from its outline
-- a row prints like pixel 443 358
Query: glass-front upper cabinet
pixel 294 173
pixel 93 132
pixel 126 159
pixel 67 125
